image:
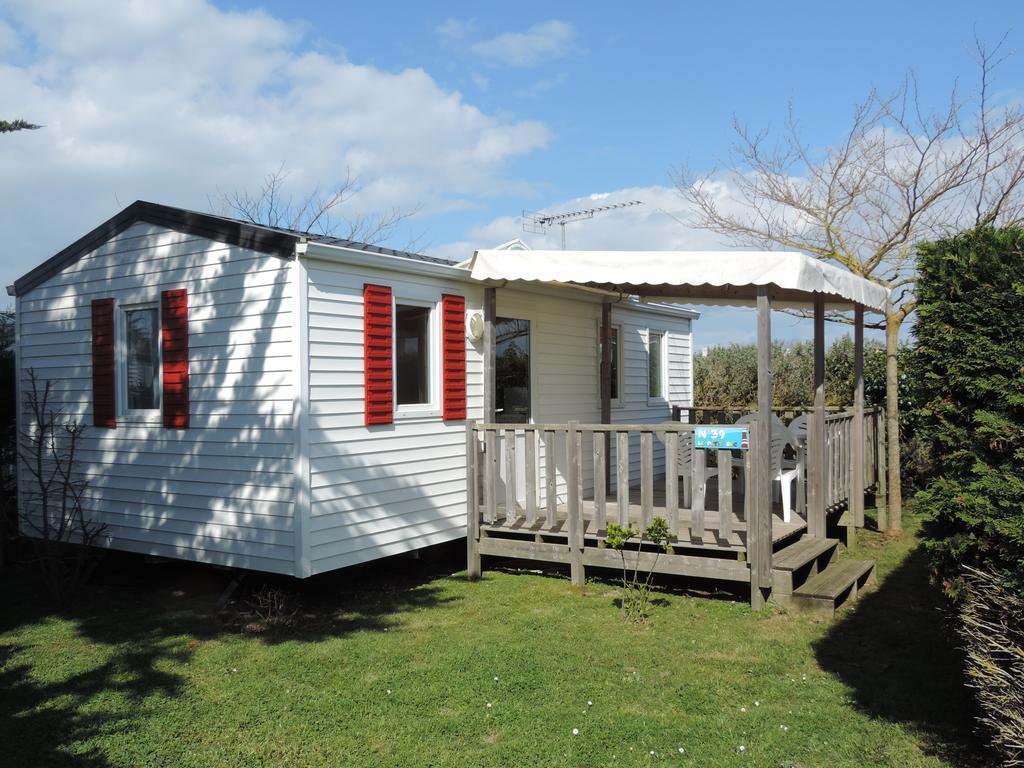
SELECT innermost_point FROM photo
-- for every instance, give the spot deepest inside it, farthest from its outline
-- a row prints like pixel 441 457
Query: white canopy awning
pixel 708 277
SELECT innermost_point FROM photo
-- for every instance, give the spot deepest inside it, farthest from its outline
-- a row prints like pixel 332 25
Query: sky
pixel 468 114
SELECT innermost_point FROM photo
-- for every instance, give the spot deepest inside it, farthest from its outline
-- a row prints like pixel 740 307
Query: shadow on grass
pixel 142 622
pixel 611 578
pixel 898 654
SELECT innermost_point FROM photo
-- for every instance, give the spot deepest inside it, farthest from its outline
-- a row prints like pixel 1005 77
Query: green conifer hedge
pixel 969 368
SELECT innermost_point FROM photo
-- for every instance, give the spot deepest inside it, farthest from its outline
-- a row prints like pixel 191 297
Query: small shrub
pixel 62 534
pixel 636 587
pixel 274 608
pixel 992 628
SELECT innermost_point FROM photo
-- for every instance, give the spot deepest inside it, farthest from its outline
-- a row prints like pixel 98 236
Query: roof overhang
pixel 730 278
pixel 251 236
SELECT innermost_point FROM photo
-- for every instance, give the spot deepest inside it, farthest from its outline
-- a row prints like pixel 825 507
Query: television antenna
pixel 539 223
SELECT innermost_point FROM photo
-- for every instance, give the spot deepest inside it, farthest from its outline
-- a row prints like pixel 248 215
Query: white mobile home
pixel 283 402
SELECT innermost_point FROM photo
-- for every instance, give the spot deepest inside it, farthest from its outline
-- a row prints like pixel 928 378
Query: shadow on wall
pixel 902 662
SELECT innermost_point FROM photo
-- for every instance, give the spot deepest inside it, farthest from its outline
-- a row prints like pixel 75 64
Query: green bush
pixel 727 376
pixel 969 368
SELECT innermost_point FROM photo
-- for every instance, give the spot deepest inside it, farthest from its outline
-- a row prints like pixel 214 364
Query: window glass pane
pixel 512 370
pixel 412 353
pixel 142 366
pixel 654 359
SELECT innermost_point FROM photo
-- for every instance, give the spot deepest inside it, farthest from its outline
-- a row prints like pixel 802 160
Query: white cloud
pixel 453 31
pixel 542 42
pixel 658 224
pixel 173 101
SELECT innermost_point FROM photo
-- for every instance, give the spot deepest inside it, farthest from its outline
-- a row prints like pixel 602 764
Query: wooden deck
pixel 539 492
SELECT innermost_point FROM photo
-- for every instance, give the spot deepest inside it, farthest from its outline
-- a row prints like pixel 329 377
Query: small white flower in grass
pixel 590 703
pixel 495 678
pixel 757 703
pixel 682 751
pixel 743 709
pixel 389 691
pixel 804 677
pixel 488 705
pixel 575 731
pixel 652 753
pixel 742 748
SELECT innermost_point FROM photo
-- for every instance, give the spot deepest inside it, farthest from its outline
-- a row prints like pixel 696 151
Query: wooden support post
pixel 574 504
pixel 882 496
pixel 490 313
pixel 754 505
pixel 857 478
pixel 473 566
pixel 759 542
pixel 606 384
pixel 817 449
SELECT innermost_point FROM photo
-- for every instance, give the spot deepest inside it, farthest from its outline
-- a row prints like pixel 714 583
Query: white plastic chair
pixel 785 472
pixel 798 427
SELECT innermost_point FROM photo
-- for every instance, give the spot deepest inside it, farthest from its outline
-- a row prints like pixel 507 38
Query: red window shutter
pixel 104 400
pixel 378 374
pixel 453 320
pixel 174 348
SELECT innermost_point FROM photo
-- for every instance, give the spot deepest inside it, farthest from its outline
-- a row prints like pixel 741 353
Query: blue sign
pixel 718 438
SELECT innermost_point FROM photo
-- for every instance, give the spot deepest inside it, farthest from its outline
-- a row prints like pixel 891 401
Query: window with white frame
pixel 655 364
pixel 140 358
pixel 412 354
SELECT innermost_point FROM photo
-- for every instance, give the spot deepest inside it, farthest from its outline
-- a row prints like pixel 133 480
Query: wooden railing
pixel 839 436
pixel 555 480
pixel 839 458
pixel 728 414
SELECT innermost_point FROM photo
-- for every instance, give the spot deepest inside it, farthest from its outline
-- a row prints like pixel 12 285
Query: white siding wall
pixel 634 405
pixel 565 372
pixel 220 491
pixel 386 489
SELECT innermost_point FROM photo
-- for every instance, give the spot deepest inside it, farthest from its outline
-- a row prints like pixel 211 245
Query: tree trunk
pixel 893 321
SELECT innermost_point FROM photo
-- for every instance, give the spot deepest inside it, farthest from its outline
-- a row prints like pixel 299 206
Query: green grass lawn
pixel 393 665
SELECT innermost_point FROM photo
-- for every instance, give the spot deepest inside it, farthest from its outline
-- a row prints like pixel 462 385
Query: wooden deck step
pixel 797 555
pixel 828 590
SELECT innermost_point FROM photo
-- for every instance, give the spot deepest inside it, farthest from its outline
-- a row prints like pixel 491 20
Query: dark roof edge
pixel 222 230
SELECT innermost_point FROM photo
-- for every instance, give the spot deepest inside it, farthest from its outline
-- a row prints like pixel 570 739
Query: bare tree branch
pixel 901 174
pixel 272 205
